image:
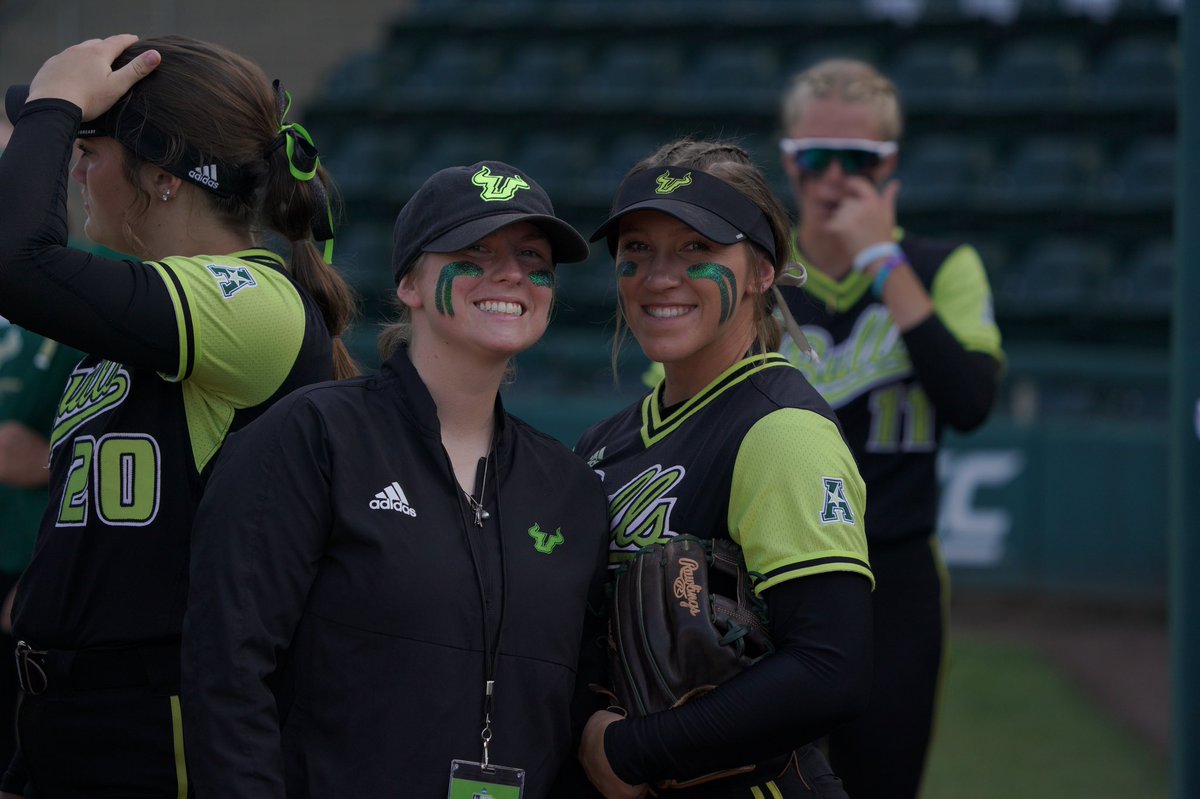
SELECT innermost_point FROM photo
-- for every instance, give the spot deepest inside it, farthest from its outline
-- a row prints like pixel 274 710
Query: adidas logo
pixel 206 175
pixel 392 498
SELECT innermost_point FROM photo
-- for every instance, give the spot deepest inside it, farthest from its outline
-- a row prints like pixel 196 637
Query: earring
pixel 166 195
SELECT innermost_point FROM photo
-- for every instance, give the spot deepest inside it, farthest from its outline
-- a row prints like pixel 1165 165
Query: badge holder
pixel 482 781
pixel 469 780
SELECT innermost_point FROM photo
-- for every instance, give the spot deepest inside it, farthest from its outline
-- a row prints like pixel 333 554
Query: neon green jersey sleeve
pixel 797 501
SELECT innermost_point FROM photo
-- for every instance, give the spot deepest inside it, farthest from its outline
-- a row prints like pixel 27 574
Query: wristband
pixel 869 255
pixel 884 272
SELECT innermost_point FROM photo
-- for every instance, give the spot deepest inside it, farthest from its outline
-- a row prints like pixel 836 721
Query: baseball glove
pixel 683 619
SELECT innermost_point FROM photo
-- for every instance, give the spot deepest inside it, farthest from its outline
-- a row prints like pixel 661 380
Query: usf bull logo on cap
pixel 460 205
pixel 668 184
pixel 497 188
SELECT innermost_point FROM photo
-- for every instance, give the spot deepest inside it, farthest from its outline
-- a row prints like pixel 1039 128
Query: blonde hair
pixel 732 164
pixel 847 80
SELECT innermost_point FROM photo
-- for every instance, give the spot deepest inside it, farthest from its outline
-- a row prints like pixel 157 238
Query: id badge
pixel 470 780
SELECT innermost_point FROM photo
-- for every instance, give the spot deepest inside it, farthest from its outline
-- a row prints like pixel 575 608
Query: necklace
pixel 480 513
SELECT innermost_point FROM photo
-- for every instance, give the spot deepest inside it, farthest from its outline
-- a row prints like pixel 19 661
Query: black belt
pixel 40 670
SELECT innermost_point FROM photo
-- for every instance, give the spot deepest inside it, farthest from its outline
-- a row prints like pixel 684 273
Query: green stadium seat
pixel 1144 175
pixel 729 77
pixel 364 165
pixel 1136 72
pixel 446 78
pixel 1058 275
pixel 942 171
pixel 452 146
pixel 1146 281
pixel 936 75
pixel 1046 171
pixel 538 76
pixel 626 76
pixel 1036 74
pixel 555 160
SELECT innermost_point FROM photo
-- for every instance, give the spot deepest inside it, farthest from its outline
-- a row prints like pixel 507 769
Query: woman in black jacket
pixel 391 573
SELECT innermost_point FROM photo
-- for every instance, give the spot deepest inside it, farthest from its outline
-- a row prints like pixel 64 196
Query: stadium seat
pixel 447 77
pixel 805 54
pixel 729 77
pixel 1145 282
pixel 555 160
pixel 1046 171
pixel 1057 275
pixel 1036 74
pixel 365 164
pixel 942 171
pixel 458 146
pixel 934 75
pixel 1144 175
pixel 537 76
pixel 1136 72
pixel 627 76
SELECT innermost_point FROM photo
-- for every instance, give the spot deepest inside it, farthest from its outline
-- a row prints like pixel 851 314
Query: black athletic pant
pixel 881 754
pixel 106 725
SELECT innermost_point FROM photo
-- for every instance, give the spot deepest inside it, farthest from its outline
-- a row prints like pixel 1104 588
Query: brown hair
pixel 732 164
pixel 847 80
pixel 222 105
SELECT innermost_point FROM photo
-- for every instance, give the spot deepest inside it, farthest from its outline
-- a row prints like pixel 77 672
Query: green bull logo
pixel 497 188
pixel 668 184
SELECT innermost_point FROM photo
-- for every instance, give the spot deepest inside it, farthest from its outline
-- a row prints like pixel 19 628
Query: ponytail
pixel 295 208
pixel 221 105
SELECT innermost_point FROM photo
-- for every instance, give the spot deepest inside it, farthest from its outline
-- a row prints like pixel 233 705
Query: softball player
pixel 733 443
pixel 182 156
pixel 907 344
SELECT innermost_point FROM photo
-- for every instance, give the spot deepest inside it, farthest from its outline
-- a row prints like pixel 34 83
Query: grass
pixel 1013 726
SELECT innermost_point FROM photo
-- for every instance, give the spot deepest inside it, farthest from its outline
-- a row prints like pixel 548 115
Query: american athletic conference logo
pixel 207 175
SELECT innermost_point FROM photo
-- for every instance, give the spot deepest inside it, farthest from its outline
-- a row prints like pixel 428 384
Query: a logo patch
pixel 231 279
pixel 836 507
pixel 497 188
pixel 207 175
pixel 392 498
pixel 596 457
pixel 545 542
pixel 668 184
pixel 685 588
pixel 640 511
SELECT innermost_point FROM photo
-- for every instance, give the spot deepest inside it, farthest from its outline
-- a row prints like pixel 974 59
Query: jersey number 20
pixel 121 472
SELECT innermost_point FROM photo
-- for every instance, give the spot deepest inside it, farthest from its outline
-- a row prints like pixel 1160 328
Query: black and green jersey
pixel 130 447
pixel 757 456
pixel 181 352
pixel 893 392
pixel 33 371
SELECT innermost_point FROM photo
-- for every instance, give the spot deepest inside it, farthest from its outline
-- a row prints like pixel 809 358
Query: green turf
pixel 1012 726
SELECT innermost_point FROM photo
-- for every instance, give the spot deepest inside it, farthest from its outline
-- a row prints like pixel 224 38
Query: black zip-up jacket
pixel 335 641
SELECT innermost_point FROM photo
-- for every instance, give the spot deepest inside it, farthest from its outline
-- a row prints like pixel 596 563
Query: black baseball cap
pixel 128 124
pixel 460 205
pixel 707 204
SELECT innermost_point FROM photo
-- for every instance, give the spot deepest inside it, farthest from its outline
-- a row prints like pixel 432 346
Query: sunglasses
pixel 856 156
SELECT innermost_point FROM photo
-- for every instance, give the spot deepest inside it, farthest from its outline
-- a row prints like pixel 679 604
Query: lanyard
pixel 491 651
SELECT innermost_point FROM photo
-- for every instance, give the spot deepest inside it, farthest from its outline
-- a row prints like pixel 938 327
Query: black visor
pixel 709 205
pixel 127 125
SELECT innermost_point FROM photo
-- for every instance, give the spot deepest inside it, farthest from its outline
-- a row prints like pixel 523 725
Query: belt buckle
pixel 31 671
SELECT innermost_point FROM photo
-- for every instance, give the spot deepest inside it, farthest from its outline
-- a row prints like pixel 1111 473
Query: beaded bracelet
pixel 869 255
pixel 884 273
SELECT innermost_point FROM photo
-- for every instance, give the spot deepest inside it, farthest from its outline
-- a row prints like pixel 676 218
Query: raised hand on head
pixel 83 74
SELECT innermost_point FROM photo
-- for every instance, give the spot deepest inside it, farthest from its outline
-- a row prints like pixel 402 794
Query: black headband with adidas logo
pixel 128 126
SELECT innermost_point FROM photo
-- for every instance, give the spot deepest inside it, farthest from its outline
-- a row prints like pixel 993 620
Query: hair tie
pixel 303 161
